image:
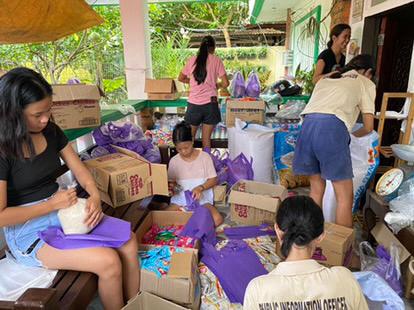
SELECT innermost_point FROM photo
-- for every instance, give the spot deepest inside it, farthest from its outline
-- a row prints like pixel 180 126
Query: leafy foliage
pixel 92 55
pixel 304 79
pixel 167 18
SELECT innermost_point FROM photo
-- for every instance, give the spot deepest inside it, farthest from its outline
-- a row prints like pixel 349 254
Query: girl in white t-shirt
pixel 300 282
pixel 191 169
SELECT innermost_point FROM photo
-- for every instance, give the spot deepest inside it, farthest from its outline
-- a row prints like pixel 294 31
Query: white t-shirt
pixel 345 97
pixel 305 285
pixel 190 174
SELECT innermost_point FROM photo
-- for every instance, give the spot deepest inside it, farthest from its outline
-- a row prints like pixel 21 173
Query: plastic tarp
pixel 34 21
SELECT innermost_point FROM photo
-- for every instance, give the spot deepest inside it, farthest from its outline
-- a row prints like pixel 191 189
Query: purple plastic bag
pixel 235 265
pixel 253 85
pixel 237 87
pixel 385 264
pixel 191 203
pixel 239 169
pixel 111 232
pixel 153 155
pixel 244 232
pixel 387 269
pixel 101 136
pixel 201 226
pixel 126 132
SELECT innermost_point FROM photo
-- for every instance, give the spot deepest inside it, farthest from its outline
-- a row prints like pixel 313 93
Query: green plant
pixel 262 53
pixel 169 55
pixel 304 79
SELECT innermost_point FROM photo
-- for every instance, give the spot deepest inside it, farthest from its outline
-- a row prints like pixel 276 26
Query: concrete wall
pixel 302 45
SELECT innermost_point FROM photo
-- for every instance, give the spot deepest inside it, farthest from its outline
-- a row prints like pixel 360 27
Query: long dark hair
pixel 336 31
pixel 182 133
pixel 200 72
pixel 18 88
pixel 301 221
pixel 362 61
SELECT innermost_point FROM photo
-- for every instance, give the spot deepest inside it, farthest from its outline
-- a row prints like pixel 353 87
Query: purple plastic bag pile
pixel 126 135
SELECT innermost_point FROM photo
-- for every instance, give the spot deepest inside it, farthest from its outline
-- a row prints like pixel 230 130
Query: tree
pixel 169 17
pixel 99 44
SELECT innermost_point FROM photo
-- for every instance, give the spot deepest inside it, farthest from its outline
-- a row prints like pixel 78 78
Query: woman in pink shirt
pixel 202 72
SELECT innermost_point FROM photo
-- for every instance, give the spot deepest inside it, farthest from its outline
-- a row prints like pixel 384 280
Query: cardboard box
pixel 162 89
pixel 248 111
pixel 126 177
pixel 147 301
pixel 163 218
pixel 179 284
pixel 335 249
pixel 220 194
pixel 385 237
pixel 76 106
pixel 254 203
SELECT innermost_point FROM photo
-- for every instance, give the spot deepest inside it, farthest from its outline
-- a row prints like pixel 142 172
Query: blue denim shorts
pixel 23 240
pixel 323 148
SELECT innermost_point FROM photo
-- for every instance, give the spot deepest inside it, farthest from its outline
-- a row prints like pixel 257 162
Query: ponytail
pixel 362 61
pixel 200 70
pixel 301 221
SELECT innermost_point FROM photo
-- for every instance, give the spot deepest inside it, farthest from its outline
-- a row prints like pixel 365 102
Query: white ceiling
pixel 275 10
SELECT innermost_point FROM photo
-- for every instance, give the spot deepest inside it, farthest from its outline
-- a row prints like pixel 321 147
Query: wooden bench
pixel 73 290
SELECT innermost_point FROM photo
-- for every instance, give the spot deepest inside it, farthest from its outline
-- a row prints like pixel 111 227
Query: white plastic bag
pixel 254 141
pixel 16 278
pixel 402 214
pixel 365 161
pixel 72 218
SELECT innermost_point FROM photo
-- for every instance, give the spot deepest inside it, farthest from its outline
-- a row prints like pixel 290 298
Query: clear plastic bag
pixel 383 263
pixel 403 212
pixel 377 291
pixel 291 110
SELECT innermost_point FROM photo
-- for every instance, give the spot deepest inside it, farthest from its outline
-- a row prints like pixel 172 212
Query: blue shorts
pixel 323 148
pixel 23 240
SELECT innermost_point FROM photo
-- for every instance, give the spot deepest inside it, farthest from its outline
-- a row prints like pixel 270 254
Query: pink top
pixel 201 94
pixel 200 168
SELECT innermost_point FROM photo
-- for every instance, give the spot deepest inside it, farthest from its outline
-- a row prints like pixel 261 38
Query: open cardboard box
pixel 385 237
pixel 76 105
pixel 126 177
pixel 162 89
pixel 163 218
pixel 179 284
pixel 254 203
pixel 248 111
pixel 148 301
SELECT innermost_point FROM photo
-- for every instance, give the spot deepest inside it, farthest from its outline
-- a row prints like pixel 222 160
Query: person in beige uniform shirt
pixel 322 149
pixel 300 282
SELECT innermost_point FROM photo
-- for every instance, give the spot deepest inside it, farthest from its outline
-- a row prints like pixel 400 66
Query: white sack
pixel 253 141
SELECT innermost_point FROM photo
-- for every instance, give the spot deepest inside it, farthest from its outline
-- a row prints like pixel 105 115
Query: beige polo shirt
pixel 305 285
pixel 345 97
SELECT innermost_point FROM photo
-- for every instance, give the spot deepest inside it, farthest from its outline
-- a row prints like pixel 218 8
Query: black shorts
pixel 208 114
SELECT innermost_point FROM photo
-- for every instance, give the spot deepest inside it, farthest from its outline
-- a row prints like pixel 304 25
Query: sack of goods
pixel 256 142
pixel 365 161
